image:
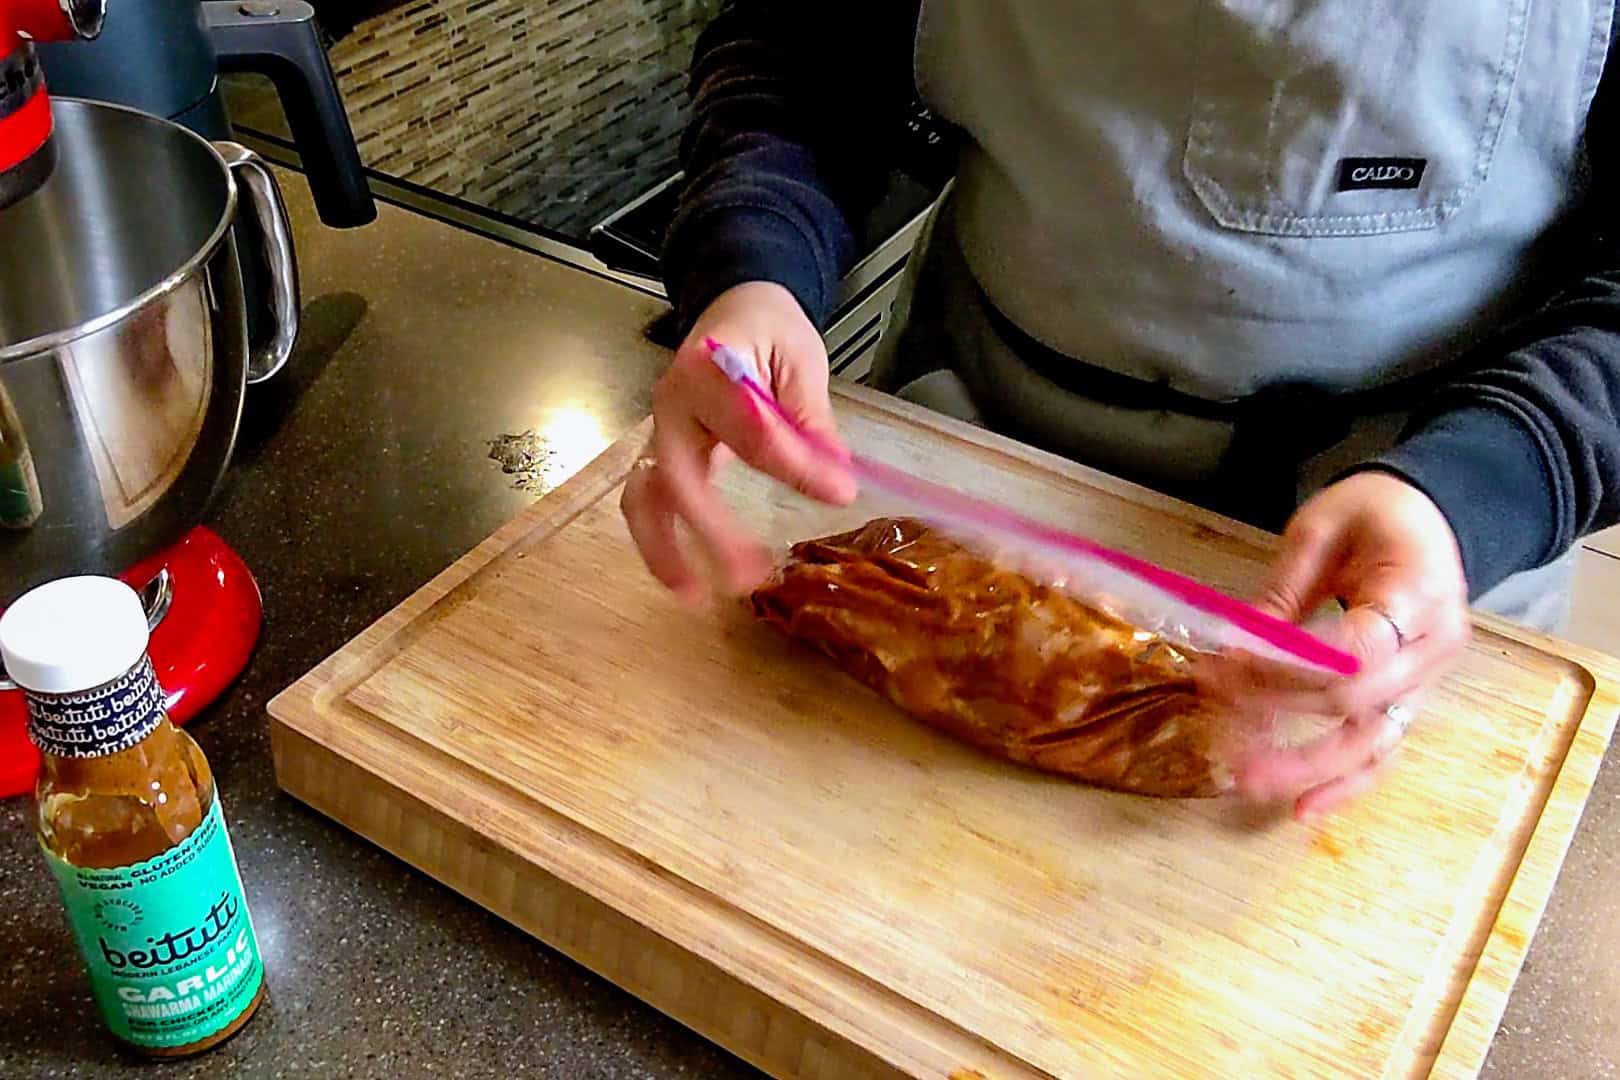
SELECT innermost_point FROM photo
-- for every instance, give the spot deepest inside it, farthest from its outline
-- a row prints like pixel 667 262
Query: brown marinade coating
pixel 1016 668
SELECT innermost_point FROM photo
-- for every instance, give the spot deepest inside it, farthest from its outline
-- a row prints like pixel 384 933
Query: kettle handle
pixel 281 40
pixel 269 232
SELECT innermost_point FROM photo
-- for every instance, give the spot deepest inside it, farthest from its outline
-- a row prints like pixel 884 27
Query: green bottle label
pixel 168 943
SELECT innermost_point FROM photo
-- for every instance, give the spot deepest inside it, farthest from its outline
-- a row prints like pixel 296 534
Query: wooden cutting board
pixel 728 827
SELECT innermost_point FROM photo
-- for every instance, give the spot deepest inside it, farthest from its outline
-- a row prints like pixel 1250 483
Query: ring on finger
pixel 1397 721
pixel 644 463
pixel 1401 636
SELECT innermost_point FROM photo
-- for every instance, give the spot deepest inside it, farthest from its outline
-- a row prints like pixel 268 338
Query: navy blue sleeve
pixel 1522 452
pixel 791 103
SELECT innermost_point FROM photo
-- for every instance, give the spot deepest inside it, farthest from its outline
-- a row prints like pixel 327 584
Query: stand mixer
pixel 134 255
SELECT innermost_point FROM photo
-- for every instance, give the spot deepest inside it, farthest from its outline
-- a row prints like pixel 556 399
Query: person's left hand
pixel 1385 551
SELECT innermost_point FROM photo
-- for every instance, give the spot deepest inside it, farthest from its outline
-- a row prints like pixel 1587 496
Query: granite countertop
pixel 363 469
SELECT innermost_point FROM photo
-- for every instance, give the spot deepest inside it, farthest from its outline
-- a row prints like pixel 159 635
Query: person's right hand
pixel 699 414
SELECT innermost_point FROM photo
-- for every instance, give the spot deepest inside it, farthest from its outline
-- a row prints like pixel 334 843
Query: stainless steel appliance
pixel 631 238
pixel 123 363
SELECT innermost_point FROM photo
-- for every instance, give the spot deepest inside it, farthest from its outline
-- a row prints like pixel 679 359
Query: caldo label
pixel 168 943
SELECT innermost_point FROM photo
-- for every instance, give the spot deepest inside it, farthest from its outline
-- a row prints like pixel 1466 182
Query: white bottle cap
pixel 73 634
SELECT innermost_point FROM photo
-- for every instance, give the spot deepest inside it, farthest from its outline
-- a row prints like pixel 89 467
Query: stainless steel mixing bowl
pixel 123 340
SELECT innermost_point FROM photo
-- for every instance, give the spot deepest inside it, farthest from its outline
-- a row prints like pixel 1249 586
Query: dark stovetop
pixel 632 239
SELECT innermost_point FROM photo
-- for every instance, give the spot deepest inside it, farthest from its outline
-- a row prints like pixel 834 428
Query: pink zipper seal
pixel 954 506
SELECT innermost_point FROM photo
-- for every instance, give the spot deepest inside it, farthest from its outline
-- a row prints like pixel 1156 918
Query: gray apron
pixel 1222 200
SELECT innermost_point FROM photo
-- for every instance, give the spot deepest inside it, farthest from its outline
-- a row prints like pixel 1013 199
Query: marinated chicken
pixel 1016 668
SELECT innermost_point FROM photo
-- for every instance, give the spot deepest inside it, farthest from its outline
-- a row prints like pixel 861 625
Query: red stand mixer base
pixel 202 644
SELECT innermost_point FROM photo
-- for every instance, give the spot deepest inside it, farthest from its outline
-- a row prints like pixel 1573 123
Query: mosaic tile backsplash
pixel 555 112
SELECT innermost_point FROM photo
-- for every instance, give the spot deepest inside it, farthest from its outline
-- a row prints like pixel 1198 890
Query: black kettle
pixel 165 57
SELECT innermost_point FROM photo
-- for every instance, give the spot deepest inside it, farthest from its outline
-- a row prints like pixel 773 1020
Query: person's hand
pixel 1387 554
pixel 698 415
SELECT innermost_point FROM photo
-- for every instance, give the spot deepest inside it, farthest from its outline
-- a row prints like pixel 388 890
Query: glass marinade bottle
pixel 130 823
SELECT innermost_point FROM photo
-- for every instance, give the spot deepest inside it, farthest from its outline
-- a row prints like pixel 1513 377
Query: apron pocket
pixel 1348 117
